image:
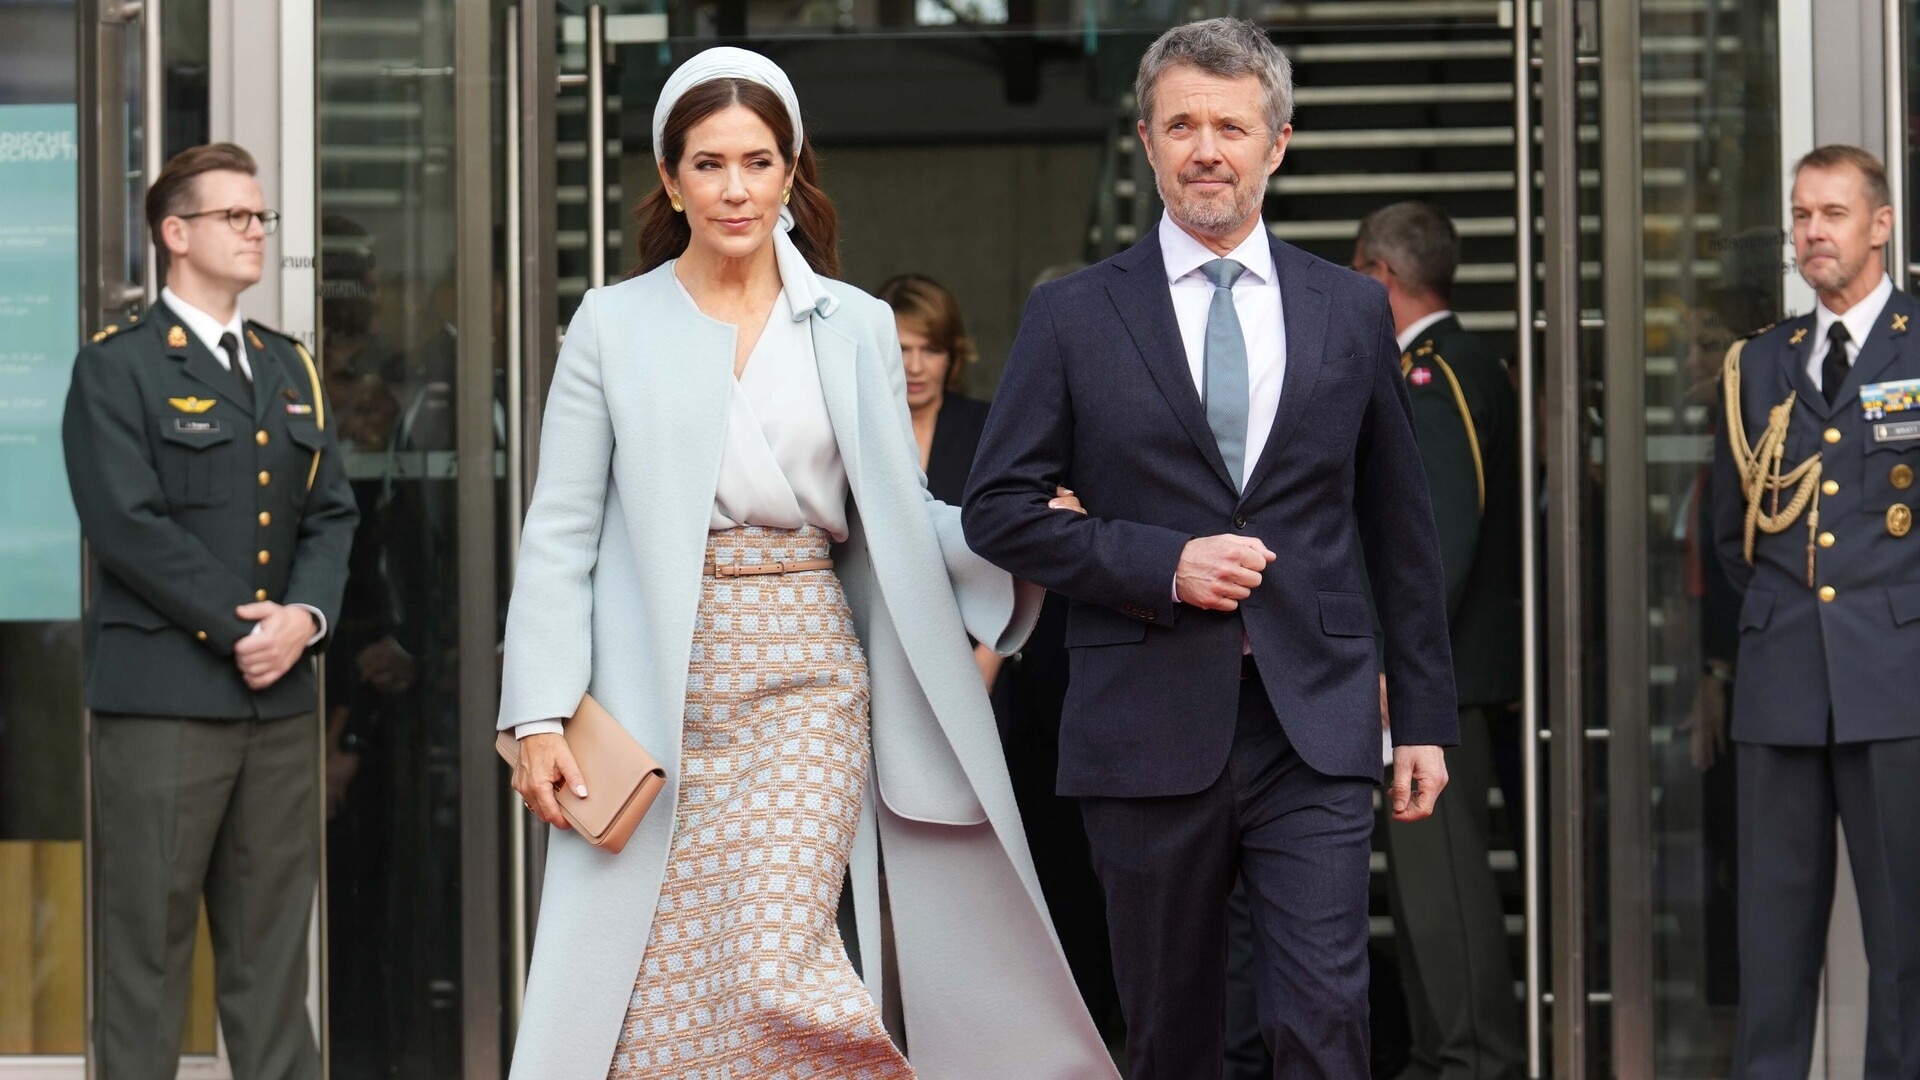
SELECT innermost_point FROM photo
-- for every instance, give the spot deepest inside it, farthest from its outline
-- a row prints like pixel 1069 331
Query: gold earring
pixel 674 201
pixel 786 197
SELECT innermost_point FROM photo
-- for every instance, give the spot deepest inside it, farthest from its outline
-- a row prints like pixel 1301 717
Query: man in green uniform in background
pixel 202 460
pixel 1448 920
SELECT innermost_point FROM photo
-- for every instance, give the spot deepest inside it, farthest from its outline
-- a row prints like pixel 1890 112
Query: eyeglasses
pixel 240 218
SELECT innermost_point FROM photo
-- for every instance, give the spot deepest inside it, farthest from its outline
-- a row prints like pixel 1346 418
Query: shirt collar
pixel 1411 334
pixel 1184 255
pixel 204 326
pixel 1859 318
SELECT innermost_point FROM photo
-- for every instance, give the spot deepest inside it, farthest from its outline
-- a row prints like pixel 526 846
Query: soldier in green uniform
pixel 1448 920
pixel 202 460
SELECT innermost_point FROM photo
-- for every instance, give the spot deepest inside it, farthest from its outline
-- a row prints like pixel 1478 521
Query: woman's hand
pixel 545 763
pixel 1065 499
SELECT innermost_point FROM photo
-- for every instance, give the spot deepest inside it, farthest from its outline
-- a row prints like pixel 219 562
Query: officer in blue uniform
pixel 209 485
pixel 1813 504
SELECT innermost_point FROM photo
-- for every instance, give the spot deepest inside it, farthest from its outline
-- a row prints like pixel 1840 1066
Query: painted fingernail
pixel 580 790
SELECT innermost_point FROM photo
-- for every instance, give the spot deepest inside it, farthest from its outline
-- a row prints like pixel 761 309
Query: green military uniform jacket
pixel 196 501
pixel 1467 420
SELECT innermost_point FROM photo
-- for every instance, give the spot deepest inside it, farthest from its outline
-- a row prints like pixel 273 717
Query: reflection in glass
pixel 390 356
pixel 1711 186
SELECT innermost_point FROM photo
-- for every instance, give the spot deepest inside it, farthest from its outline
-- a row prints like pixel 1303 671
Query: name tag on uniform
pixel 299 410
pixel 195 427
pixel 1878 400
pixel 1902 431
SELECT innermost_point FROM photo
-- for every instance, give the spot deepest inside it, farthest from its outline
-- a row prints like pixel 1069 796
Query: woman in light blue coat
pixel 731 546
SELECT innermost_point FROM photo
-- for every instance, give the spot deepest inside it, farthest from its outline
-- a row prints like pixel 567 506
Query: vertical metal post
pixel 153 138
pixel 1566 488
pixel 537 269
pixel 1523 258
pixel 1629 829
pixel 482 1031
pixel 596 146
pixel 517 914
pixel 1894 57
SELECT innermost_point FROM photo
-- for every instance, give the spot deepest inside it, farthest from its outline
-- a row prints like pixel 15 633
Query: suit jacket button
pixel 201 636
pixel 259 594
pixel 1826 593
pixel 1832 435
pixel 260 438
pixel 1239 521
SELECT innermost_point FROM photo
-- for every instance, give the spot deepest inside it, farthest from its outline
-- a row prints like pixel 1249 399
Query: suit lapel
pixel 1303 310
pixel 1883 346
pixel 269 372
pixel 182 345
pixel 838 358
pixel 1793 368
pixel 1145 303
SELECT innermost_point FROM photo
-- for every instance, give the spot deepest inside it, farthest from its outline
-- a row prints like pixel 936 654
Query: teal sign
pixel 39 324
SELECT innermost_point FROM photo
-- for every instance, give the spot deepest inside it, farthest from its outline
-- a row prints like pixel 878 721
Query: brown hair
pixel 664 232
pixel 174 191
pixel 928 304
pixel 1836 155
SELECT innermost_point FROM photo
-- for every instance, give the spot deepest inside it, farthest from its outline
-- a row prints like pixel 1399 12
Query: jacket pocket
pixel 1091 624
pixel 1344 367
pixel 1345 615
pixel 306 433
pixel 1905 601
pixel 193 469
pixel 1757 610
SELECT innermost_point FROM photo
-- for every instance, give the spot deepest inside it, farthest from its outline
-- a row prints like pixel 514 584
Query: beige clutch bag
pixel 622 778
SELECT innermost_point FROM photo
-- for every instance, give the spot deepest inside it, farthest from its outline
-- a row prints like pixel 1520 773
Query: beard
pixel 1213 214
pixel 1833 276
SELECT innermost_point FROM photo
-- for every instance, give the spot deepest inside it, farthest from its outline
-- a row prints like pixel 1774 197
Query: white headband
pixel 724 62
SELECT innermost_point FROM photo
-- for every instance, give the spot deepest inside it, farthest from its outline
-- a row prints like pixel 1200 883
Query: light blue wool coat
pixel 608 584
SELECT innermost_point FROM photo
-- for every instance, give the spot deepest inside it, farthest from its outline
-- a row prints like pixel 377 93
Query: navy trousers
pixel 1789 798
pixel 1298 841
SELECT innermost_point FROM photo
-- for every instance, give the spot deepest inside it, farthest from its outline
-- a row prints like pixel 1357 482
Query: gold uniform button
pixel 1826 539
pixel 1832 435
pixel 1901 477
pixel 265 478
pixel 260 438
pixel 259 594
pixel 1831 487
pixel 201 636
pixel 266 519
pixel 265 557
pixel 1826 593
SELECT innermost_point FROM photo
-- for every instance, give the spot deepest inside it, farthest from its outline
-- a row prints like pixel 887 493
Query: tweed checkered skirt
pixel 745 975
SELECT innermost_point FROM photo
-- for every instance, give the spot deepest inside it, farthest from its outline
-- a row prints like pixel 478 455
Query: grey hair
pixel 1417 241
pixel 1228 48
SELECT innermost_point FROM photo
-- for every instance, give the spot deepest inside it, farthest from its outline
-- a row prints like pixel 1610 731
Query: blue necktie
pixel 1226 369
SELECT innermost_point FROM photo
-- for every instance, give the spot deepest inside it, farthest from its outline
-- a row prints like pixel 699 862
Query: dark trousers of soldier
pixel 1789 799
pixel 224 809
pixel 1450 929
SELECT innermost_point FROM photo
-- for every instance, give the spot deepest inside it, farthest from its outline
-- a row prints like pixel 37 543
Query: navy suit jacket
pixel 1803 659
pixel 1098 396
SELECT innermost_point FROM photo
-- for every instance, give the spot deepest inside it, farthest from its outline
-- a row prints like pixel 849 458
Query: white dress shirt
pixel 1859 319
pixel 1411 334
pixel 208 329
pixel 1256 299
pixel 781 466
pixel 1263 326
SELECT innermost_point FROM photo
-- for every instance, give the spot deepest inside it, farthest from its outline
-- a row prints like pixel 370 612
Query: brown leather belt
pixel 727 570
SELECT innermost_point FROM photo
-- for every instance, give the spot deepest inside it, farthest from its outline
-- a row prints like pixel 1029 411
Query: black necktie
pixel 1833 370
pixel 231 345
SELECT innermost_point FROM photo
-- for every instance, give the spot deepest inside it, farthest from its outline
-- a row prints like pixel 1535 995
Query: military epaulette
pixel 255 326
pixel 1749 336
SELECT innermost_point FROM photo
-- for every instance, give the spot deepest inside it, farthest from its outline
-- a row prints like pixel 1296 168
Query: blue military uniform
pixel 1813 522
pixel 199 494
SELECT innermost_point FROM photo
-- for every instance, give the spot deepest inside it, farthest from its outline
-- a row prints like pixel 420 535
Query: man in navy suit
pixel 1819 539
pixel 1230 412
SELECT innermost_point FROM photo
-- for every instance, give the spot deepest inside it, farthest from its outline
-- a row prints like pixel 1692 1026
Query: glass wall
pixel 1714 247
pixel 42 927
pixel 394 360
